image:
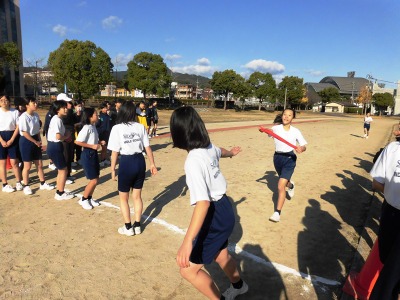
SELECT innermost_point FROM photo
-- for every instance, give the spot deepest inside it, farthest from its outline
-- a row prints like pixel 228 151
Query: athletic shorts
pixel 214 233
pixel 29 151
pixel 388 230
pixel 90 163
pixel 155 121
pixel 12 150
pixel 55 152
pixel 284 164
pixel 131 172
pixel 367 126
pixel 148 122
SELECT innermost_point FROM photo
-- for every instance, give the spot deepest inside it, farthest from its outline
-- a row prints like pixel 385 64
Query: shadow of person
pixel 322 249
pixel 157 147
pixel 271 179
pixel 356 135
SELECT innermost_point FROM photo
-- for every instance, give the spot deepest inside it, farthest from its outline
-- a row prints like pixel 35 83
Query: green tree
pixel 226 82
pixel 10 57
pixel 263 86
pixel 148 73
pixel 382 101
pixel 329 94
pixel 82 66
pixel 294 89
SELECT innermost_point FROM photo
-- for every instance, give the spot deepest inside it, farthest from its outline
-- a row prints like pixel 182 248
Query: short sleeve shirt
pixel 386 170
pixel 128 139
pixel 368 120
pixel 29 123
pixel 293 136
pixel 203 176
pixel 9 119
pixel 88 135
pixel 56 126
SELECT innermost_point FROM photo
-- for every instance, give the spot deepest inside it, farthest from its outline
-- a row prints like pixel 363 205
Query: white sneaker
pixel 73 170
pixel 149 136
pixel 94 203
pixel 276 217
pixel 366 137
pixel 27 190
pixel 19 186
pixel 128 232
pixel 85 204
pixel 231 293
pixel 291 191
pixel 46 186
pixel 64 196
pixel 8 189
pixel 137 230
pixel 52 166
pixel 68 181
pixel 74 164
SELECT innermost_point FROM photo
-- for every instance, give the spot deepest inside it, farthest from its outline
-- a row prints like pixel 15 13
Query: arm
pixel 377 186
pixel 11 140
pixel 199 214
pixel 31 139
pixel 301 149
pixel 114 156
pixel 230 153
pixel 86 145
pixel 153 168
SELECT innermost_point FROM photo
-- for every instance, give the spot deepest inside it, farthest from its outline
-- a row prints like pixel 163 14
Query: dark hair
pixel 103 105
pixel 293 111
pixel 278 119
pixel 79 102
pixel 5 96
pixel 126 113
pixel 56 106
pixel 86 115
pixel 188 130
pixel 119 100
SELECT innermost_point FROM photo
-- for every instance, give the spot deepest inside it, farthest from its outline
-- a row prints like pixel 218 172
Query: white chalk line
pixel 236 249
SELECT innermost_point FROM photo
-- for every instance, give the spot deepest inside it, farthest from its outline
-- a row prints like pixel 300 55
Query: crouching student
pixel 88 139
pixel 213 218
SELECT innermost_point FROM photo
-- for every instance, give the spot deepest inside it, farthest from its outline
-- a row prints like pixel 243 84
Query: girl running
pixel 213 218
pixel 129 139
pixel 285 158
pixel 30 144
pixel 88 139
pixel 367 125
pixel 9 143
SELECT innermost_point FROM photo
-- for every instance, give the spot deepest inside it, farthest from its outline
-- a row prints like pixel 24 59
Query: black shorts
pixel 55 152
pixel 12 150
pixel 131 172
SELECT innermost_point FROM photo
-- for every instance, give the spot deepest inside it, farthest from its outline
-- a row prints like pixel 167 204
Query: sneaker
pixel 85 204
pixel 128 232
pixel 291 191
pixel 74 164
pixel 276 217
pixel 64 196
pixel 107 162
pixel 94 203
pixel 72 178
pixel 27 190
pixel 366 137
pixel 46 186
pixel 149 136
pixel 8 189
pixel 231 293
pixel 19 186
pixel 137 230
pixel 68 181
pixel 52 166
pixel 73 170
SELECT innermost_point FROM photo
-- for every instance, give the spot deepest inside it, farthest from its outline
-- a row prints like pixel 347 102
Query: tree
pixel 263 86
pixel 294 89
pixel 226 82
pixel 329 94
pixel 148 73
pixel 382 101
pixel 10 57
pixel 82 66
pixel 364 97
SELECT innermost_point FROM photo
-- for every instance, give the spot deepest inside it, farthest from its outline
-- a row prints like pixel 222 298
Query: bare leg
pixel 281 193
pixel 228 265
pixel 137 204
pixel 16 169
pixel 201 280
pixel 89 189
pixel 3 171
pixel 126 213
pixel 39 168
pixel 61 179
pixel 25 172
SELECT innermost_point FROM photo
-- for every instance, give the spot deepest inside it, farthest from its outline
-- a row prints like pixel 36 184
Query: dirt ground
pixel 56 250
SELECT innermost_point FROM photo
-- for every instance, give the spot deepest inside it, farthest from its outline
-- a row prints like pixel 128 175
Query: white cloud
pixel 195 69
pixel 315 73
pixel 111 22
pixel 121 60
pixel 203 61
pixel 172 56
pixel 265 66
pixel 60 30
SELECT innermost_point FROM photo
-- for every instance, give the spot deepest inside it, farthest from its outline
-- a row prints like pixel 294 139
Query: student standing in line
pixel 9 143
pixel 285 158
pixel 103 128
pixel 129 139
pixel 155 119
pixel 30 145
pixel 367 125
pixel 88 139
pixel 213 218
pixel 47 120
pixel 55 149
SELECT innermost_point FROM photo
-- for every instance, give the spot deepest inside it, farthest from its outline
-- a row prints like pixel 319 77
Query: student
pixel 9 144
pixel 154 119
pixel 55 150
pixel 30 145
pixel 47 120
pixel 88 138
pixel 367 125
pixel 141 114
pixel 103 128
pixel 149 117
pixel 213 217
pixel 285 158
pixel 129 139
pixel 78 111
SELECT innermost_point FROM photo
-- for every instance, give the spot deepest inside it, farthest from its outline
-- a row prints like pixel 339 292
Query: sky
pixel 310 39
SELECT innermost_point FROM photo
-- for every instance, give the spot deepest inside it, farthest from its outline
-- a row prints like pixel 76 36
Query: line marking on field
pixel 236 249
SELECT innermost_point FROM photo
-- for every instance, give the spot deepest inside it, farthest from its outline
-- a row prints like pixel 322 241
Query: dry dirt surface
pixel 57 250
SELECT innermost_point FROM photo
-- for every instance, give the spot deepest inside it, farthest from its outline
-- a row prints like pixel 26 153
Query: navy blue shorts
pixel 131 172
pixel 90 163
pixel 148 121
pixel 29 151
pixel 214 233
pixel 284 164
pixel 367 126
pixel 11 151
pixel 55 152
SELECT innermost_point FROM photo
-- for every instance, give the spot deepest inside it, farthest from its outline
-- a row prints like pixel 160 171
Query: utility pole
pixel 284 106
pixel 352 92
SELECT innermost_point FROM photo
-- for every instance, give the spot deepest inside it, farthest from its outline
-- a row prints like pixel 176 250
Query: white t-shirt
pixel 29 123
pixel 386 170
pixel 293 136
pixel 88 135
pixel 8 119
pixel 368 120
pixel 128 139
pixel 203 176
pixel 56 126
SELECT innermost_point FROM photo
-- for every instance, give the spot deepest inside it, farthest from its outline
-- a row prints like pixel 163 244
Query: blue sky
pixel 310 39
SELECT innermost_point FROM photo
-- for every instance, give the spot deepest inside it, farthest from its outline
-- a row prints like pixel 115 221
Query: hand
pixel 103 143
pixel 183 255
pixel 4 144
pixel 38 143
pixel 113 176
pixel 153 170
pixel 96 147
pixel 299 149
pixel 235 150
